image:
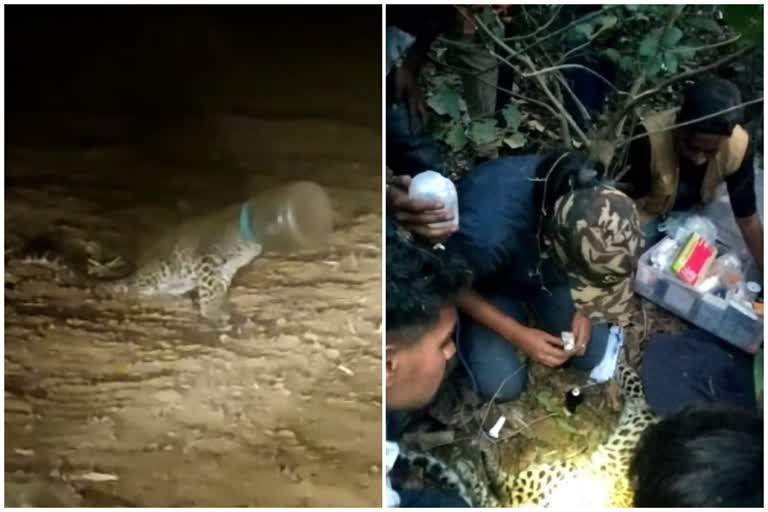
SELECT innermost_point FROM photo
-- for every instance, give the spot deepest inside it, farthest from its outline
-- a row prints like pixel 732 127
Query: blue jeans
pixel 409 151
pixel 490 359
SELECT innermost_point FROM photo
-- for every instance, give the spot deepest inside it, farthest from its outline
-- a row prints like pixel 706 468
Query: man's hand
pixel 582 330
pixel 407 91
pixel 428 219
pixel 542 347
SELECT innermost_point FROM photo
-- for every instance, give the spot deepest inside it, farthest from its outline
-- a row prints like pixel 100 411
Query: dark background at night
pixel 154 65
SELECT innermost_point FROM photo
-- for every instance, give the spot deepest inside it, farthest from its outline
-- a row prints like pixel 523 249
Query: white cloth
pixel 605 370
pixel 398 43
pixel 391 452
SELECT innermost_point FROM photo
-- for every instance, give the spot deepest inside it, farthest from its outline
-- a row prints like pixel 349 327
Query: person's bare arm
pixel 752 231
pixel 540 346
pixel 485 313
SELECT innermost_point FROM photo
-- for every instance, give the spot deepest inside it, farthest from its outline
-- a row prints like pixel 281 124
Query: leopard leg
pixel 212 288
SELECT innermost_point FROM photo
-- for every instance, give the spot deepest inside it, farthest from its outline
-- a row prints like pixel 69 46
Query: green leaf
pixel 585 29
pixel 516 141
pixel 670 61
pixel 445 101
pixel 512 116
pixel 648 46
pixel 747 20
pixel 653 68
pixel 564 425
pixel 627 63
pixel 491 20
pixel 704 23
pixel 482 132
pixel 671 37
pixel 455 137
pixel 613 55
pixel 608 21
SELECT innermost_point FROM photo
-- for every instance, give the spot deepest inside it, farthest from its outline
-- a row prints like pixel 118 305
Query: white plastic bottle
pixel 432 186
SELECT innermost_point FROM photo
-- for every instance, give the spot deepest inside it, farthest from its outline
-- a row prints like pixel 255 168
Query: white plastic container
pixel 729 321
pixel 432 186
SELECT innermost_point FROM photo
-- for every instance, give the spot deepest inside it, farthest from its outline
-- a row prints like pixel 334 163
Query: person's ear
pixel 392 364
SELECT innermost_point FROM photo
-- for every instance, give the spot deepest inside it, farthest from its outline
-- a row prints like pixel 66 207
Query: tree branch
pixel 559 106
pixel 692 121
pixel 707 46
pixel 572 24
pixel 542 84
pixel 533 101
pixel 584 45
pixel 564 131
pixel 618 125
pixel 562 83
pixel 541 28
pixel 682 76
pixel 576 66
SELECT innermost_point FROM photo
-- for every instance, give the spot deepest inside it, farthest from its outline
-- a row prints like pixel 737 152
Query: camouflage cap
pixel 596 236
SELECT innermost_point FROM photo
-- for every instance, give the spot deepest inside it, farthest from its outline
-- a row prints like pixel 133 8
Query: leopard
pixel 601 479
pixel 201 255
pixel 461 480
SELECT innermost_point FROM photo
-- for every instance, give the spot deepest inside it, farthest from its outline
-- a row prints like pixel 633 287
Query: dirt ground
pixel 140 393
pixel 136 403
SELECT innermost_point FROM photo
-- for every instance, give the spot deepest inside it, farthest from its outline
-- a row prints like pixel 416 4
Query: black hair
pixel 703 456
pixel 420 281
pixel 707 96
pixel 573 171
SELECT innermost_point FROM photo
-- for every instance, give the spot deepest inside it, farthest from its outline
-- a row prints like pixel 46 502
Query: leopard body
pixel 601 480
pixel 202 255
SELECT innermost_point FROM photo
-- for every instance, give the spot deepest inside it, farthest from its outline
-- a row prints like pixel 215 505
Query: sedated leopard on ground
pixel 600 481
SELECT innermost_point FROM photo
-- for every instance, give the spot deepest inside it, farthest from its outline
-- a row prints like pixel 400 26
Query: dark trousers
pixel 491 359
pixel 430 498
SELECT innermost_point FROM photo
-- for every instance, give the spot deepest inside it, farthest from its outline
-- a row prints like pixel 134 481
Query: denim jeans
pixel 409 151
pixel 490 359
